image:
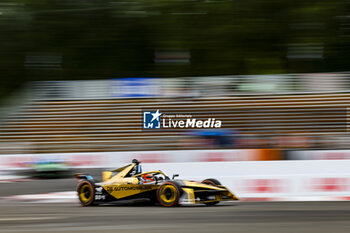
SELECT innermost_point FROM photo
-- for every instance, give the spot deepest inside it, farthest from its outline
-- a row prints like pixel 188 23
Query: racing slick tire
pixel 213 182
pixel 86 193
pixel 168 194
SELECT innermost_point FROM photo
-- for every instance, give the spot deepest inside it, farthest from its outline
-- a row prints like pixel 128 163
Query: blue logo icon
pixel 151 120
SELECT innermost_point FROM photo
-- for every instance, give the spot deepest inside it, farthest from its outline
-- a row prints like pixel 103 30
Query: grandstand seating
pixel 44 126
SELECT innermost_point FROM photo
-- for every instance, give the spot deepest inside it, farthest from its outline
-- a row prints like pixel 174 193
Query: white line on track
pixel 28 218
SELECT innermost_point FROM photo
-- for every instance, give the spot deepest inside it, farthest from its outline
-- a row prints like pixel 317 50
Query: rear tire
pixel 168 194
pixel 212 182
pixel 86 193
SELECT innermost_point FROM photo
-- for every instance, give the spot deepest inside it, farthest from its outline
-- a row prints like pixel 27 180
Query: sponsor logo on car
pixel 98 190
pixel 126 188
pixel 100 197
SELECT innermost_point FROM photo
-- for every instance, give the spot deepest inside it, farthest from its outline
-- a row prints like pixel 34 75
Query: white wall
pixel 271 179
pixel 247 179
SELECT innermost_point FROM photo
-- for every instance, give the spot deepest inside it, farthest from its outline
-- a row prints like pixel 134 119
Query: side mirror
pixel 175 175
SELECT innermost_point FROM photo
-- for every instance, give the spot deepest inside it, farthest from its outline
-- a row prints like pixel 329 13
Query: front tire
pixel 168 194
pixel 86 193
pixel 212 182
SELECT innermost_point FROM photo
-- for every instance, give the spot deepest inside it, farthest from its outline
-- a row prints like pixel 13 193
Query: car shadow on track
pixel 146 203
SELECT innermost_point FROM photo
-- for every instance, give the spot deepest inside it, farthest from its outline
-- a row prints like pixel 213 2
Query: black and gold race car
pixel 129 182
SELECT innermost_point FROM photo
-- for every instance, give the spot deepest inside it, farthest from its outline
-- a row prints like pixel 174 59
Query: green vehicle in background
pixel 47 168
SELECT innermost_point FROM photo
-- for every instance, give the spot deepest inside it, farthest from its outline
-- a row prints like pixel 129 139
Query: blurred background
pixel 76 75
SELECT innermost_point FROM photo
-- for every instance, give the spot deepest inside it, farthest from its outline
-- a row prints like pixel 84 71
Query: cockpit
pixel 153 177
pixel 132 174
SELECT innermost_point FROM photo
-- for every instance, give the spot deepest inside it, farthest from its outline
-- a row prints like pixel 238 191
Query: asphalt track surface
pixel 142 217
pixel 239 217
pixel 37 186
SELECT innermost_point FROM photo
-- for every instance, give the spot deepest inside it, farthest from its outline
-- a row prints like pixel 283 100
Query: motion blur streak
pixel 86 85
pixel 72 39
pixel 244 217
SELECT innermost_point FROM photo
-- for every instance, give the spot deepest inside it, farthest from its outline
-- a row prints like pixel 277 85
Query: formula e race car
pixel 129 182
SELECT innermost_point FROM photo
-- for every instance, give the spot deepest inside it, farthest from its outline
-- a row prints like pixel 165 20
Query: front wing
pixel 194 196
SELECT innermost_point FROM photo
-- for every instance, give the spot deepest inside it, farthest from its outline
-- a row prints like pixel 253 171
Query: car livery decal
pixel 125 190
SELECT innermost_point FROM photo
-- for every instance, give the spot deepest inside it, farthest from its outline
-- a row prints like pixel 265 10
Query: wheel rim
pixel 168 194
pixel 85 193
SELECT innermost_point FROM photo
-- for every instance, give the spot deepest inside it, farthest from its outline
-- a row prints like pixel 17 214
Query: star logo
pixel 151 120
pixel 156 115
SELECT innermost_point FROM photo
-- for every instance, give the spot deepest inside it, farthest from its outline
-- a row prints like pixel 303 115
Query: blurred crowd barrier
pixel 117 159
pixel 65 117
pixel 211 86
